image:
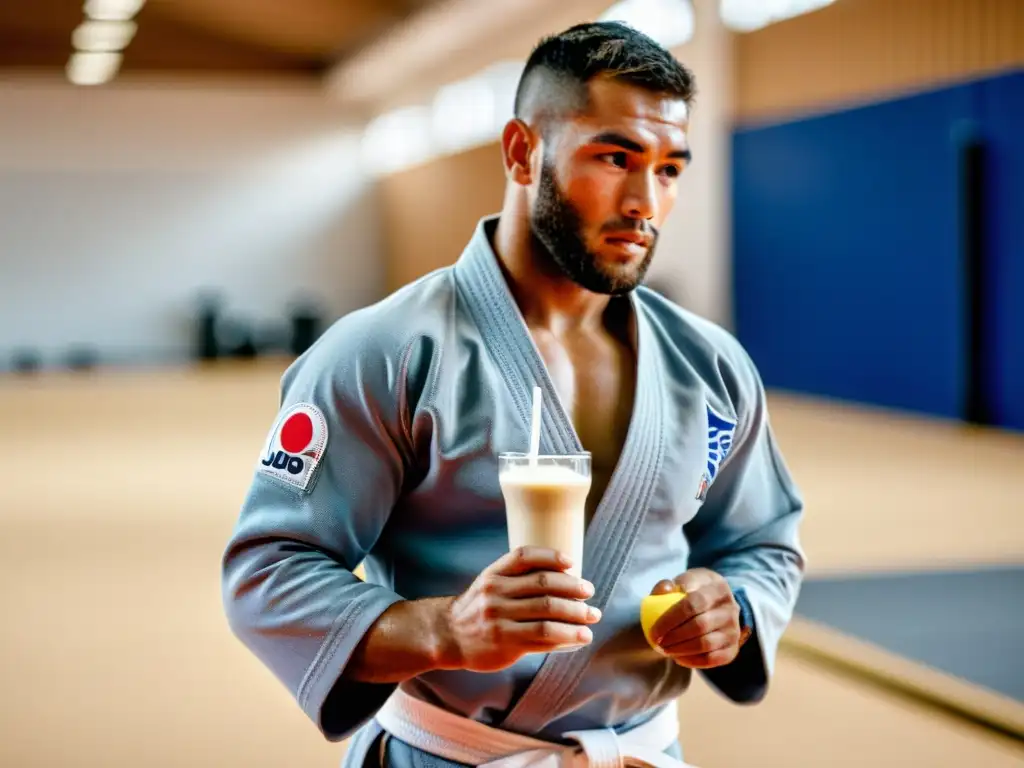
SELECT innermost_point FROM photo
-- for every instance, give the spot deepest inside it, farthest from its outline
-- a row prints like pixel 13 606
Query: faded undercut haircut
pixel 556 74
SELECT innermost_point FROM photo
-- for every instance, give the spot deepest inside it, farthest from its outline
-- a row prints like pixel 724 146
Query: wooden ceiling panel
pixel 37 33
pixel 193 36
pixel 167 44
pixel 311 28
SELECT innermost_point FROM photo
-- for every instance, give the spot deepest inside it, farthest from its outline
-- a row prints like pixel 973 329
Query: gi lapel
pixel 613 531
pixel 482 286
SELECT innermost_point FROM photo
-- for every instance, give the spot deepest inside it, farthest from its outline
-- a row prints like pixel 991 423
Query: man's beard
pixel 557 226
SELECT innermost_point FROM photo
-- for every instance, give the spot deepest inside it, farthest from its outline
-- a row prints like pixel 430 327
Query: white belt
pixel 461 740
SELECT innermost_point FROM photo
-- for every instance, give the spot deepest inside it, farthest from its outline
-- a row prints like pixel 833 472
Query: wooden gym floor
pixel 118 491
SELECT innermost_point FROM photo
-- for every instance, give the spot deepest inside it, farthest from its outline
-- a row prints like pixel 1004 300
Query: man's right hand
pixel 523 603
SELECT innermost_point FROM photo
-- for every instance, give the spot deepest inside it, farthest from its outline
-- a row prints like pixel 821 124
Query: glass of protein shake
pixel 545 501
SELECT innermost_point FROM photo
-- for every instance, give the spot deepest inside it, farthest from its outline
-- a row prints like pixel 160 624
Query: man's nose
pixel 640 200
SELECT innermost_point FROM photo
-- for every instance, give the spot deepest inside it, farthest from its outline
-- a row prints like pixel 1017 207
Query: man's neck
pixel 546 297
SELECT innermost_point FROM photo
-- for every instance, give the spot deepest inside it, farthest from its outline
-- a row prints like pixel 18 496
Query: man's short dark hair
pixel 561 65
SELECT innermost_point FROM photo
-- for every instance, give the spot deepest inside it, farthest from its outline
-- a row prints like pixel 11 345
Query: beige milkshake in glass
pixel 545 502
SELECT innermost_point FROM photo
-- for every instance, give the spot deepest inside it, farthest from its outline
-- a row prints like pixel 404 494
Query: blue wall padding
pixel 1002 110
pixel 848 271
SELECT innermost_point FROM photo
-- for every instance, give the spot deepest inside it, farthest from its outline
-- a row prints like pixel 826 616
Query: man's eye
pixel 615 158
pixel 672 171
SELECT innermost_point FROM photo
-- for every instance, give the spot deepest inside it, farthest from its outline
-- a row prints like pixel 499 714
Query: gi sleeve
pixel 747 531
pixel 329 475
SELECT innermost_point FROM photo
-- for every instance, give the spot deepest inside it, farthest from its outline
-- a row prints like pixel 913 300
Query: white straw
pixel 535 427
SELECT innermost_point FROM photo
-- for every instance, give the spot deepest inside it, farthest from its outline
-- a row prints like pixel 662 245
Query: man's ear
pixel 518 143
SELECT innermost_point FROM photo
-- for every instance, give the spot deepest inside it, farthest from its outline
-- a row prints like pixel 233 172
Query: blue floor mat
pixel 966 623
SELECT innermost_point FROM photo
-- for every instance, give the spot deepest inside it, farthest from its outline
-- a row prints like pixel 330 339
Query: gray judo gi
pixel 385 453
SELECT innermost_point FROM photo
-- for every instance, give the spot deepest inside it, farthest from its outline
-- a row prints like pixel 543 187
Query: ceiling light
pixel 102 36
pixel 112 10
pixel 748 15
pixel 457 31
pixel 90 68
pixel 669 22
pixel 463 114
pixel 504 78
pixel 397 140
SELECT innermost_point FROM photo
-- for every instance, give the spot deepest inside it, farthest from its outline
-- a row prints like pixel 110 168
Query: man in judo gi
pixel 385 453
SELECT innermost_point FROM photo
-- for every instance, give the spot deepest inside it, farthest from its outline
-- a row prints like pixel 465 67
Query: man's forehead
pixel 612 100
pixel 660 122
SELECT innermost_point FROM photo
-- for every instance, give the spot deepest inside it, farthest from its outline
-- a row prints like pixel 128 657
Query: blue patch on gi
pixel 720 435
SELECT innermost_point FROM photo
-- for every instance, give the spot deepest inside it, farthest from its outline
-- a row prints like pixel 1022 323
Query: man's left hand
pixel 702 630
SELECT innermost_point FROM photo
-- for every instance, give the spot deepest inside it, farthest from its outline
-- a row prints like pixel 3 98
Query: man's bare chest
pixel 596 381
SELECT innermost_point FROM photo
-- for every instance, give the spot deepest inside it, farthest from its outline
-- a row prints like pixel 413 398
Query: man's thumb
pixel 693 580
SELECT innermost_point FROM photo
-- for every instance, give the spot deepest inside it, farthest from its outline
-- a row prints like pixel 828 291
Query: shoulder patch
pixel 720 436
pixel 296 446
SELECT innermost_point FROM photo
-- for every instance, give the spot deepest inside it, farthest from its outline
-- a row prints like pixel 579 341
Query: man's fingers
pixel 718 640
pixel 722 618
pixel 710 660
pixel 544 583
pixel 526 559
pixel 691 606
pixel 542 635
pixel 548 608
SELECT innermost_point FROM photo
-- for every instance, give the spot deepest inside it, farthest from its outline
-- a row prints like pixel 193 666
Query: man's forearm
pixel 409 639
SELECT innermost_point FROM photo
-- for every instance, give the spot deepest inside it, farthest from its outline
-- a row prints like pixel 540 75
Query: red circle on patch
pixel 297 433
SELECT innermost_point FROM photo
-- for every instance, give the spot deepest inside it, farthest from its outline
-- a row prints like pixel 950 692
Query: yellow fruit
pixel 653 606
